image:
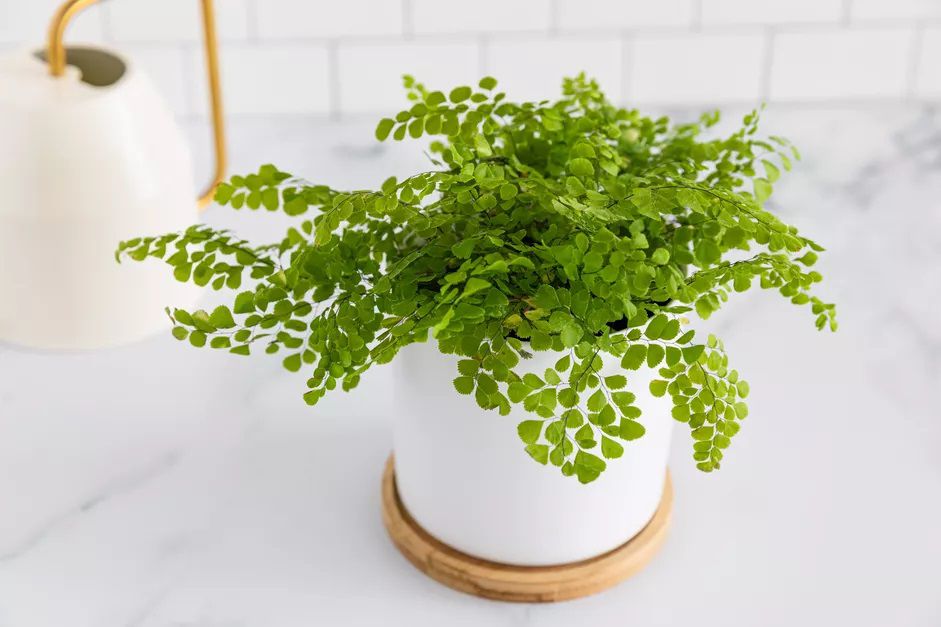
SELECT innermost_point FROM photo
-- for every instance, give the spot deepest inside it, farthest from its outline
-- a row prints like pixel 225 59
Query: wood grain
pixel 525 584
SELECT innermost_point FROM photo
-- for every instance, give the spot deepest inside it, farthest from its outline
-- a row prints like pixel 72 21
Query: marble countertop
pixel 157 485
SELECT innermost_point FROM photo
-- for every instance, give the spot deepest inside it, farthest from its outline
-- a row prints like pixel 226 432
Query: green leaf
pixel 655 326
pixel 463 249
pixel 384 128
pixel 574 186
pixel 585 437
pixel 539 452
pixel 221 318
pixel 223 193
pixel 292 362
pixel 596 401
pixel 464 385
pixel 182 272
pixel 517 391
pixel 488 83
pixel 269 198
pixel 459 94
pixel 658 387
pixel 588 467
pixel 555 432
pixel 296 206
pixel 546 297
pixel 533 381
pixel 762 190
pixel 571 335
pixel 611 449
pixel 529 431
pixel 200 319
pixel 508 191
pixel 468 367
pixel 473 286
pixel 606 416
pixel 630 429
pixel 580 166
pixel 634 356
pixel 771 171
pixel 244 303
pixel 670 329
pixel 680 413
pixel 389 186
pixel 703 433
pixel 182 316
pixel 691 353
pixel 673 356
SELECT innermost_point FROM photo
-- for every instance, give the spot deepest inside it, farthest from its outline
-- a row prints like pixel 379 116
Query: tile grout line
pixel 333 81
pixel 626 38
pixel 408 20
pixel 104 21
pixel 767 64
pixel 696 19
pixel 553 18
pixel 873 103
pixel 458 38
pixel 189 93
pixel 251 16
pixel 627 66
pixel 914 63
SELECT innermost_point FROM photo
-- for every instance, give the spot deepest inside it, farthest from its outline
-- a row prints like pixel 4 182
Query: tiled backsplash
pixel 345 57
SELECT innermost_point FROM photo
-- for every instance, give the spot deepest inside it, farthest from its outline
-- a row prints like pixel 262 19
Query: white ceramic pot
pixel 463 475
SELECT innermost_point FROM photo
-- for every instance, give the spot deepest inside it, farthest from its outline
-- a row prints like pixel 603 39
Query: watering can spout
pixel 91 155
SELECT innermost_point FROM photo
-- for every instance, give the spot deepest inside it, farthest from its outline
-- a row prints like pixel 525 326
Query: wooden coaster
pixel 525 584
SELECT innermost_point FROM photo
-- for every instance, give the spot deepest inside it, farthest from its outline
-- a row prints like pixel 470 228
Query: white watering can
pixel 90 155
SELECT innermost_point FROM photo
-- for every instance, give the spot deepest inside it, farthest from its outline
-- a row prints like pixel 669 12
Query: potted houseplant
pixel 533 288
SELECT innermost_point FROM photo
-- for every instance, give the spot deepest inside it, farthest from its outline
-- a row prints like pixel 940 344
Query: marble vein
pixel 121 485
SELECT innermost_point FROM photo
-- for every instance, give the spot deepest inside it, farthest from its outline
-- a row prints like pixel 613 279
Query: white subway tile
pixel 894 9
pixel 696 69
pixel 460 16
pixel 928 80
pixel 371 74
pixel 770 11
pixel 274 78
pixel 533 69
pixel 26 22
pixel 173 20
pixel 165 66
pixel 323 18
pixel 840 64
pixel 576 15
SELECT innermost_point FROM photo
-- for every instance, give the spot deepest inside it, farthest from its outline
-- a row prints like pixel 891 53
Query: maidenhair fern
pixel 571 226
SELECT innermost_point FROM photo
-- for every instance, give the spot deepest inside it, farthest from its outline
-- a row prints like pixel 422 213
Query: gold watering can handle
pixel 56 58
